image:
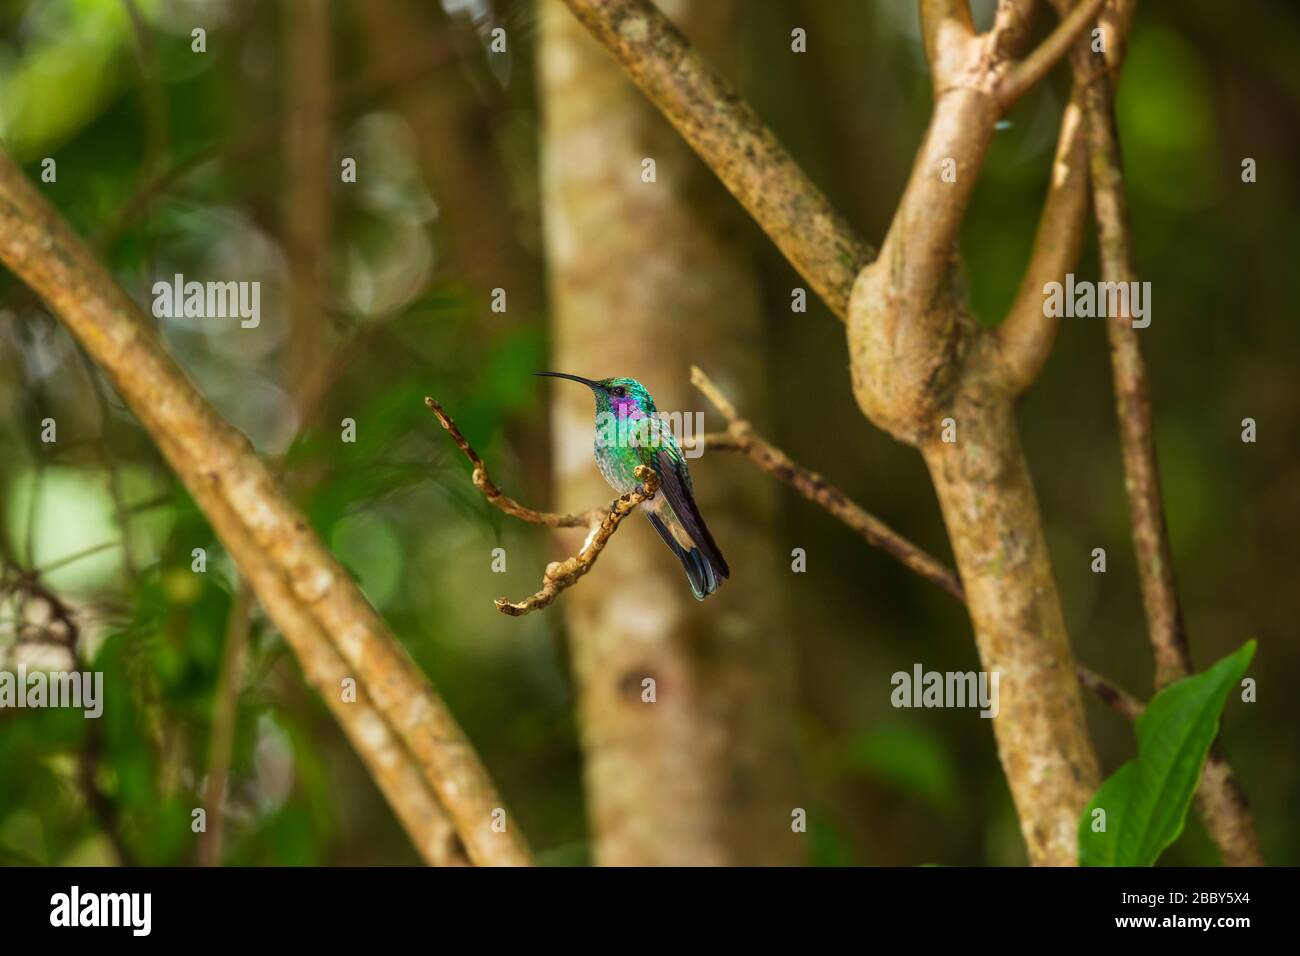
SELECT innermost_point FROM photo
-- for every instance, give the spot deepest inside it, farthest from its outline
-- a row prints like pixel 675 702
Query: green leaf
pixel 1146 800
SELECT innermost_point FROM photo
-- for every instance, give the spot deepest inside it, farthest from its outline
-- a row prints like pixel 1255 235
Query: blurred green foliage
pixel 1204 87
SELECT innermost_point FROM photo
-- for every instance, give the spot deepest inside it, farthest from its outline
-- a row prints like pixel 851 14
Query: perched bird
pixel 629 432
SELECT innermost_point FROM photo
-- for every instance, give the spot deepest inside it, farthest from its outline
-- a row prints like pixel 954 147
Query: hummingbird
pixel 629 432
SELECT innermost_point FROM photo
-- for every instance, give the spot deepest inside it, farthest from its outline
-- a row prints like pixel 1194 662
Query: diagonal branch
pixel 1133 404
pixel 1026 73
pixel 1026 336
pixel 216 464
pixel 397 775
pixel 729 136
pixel 1119 700
pixel 740 437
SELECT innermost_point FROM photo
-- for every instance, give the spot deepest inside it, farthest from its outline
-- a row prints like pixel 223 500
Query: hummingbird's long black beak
pixel 573 378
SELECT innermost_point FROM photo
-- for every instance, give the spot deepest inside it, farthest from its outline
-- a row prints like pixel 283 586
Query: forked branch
pixel 1021 76
pixel 1219 797
pixel 495 496
pixel 1026 336
pixel 741 437
pixel 559 575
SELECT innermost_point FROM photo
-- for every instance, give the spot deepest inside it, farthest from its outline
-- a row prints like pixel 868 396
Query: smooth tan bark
pixel 991 512
pixel 646 277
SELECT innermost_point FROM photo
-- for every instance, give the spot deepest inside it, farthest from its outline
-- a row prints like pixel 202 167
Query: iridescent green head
pixel 624 397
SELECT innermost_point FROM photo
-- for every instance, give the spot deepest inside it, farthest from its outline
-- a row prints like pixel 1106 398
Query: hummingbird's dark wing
pixel 704 581
pixel 675 486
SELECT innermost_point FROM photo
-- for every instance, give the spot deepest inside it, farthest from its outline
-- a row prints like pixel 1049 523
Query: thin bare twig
pixel 1118 699
pixel 741 437
pixel 1025 74
pixel 224 716
pixel 560 575
pixel 1220 798
pixel 1133 406
pixel 602 522
pixel 58 626
pixel 1026 335
pixel 495 496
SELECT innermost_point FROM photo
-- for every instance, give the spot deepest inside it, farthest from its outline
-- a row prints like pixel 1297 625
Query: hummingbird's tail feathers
pixel 703 578
pixel 704 581
pixel 674 488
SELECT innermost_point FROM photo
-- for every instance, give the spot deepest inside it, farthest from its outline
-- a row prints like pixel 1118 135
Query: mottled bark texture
pixel 741 438
pixel 645 277
pixel 921 366
pixel 301 581
pixel 991 512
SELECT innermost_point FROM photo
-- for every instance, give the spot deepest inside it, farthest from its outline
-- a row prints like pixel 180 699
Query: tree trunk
pixel 989 506
pixel 646 278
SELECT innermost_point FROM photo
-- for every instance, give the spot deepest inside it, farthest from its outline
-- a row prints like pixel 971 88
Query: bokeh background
pixel 172 161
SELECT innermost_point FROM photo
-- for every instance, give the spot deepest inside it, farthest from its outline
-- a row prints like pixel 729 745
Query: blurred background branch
pixel 499 156
pixel 1220 799
pixel 209 455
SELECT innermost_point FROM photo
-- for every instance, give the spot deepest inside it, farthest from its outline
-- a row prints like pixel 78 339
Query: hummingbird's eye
pixel 618 391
